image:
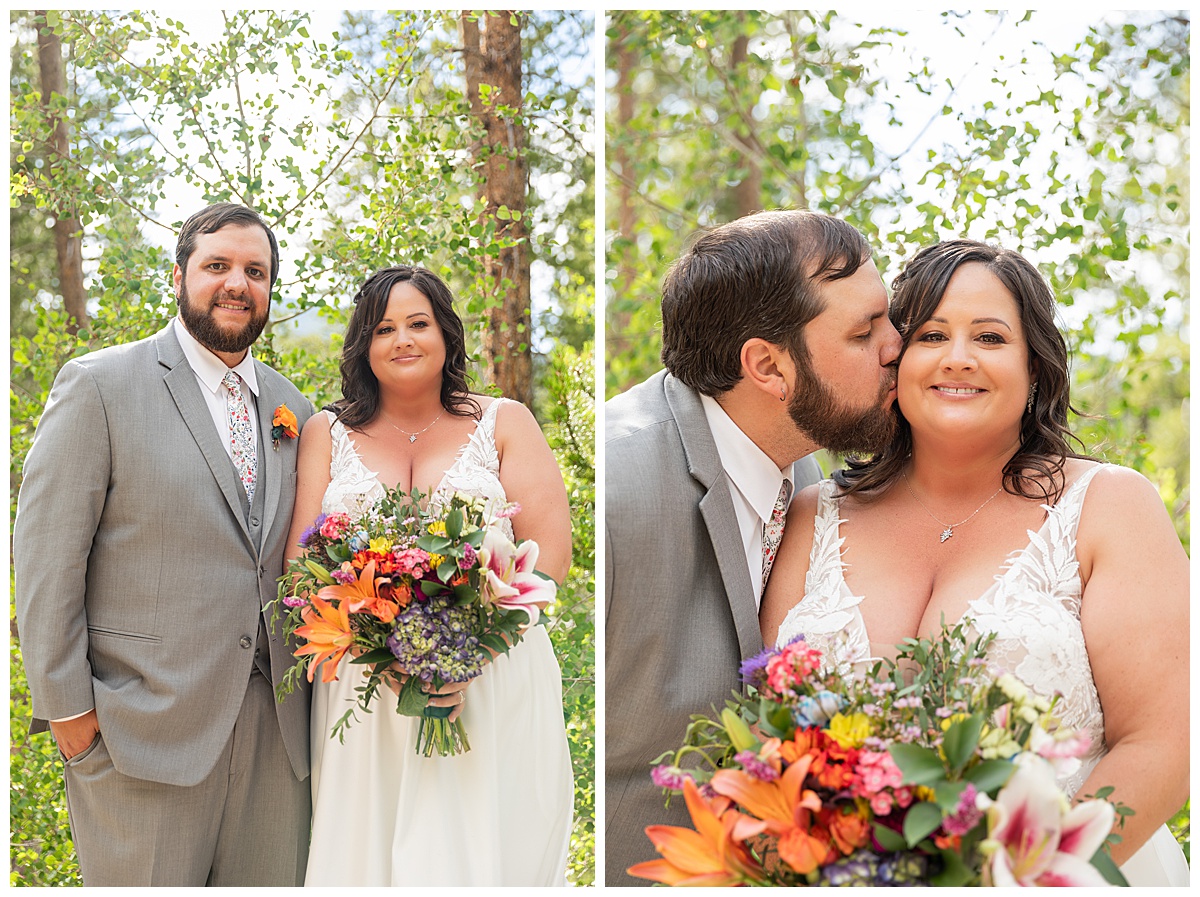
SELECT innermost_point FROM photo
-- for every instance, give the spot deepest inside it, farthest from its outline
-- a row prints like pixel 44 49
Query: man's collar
pixel 208 367
pixel 747 465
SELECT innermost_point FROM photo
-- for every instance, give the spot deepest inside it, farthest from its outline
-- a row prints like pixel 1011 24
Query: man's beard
pixel 210 334
pixel 839 428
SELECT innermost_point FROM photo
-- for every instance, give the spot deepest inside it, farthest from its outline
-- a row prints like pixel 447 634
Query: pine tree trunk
pixel 747 193
pixel 492 53
pixel 68 244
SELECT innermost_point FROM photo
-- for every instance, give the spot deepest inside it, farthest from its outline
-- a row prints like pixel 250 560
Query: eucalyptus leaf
pixel 920 765
pixel 921 820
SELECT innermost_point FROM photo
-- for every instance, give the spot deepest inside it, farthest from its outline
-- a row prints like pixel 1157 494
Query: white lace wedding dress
pixel 498 815
pixel 1033 607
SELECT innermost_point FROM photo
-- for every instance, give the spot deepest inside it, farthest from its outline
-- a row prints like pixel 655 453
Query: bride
pixel 499 814
pixel 979 509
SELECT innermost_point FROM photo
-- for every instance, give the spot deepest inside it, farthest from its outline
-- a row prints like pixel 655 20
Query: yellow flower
pixel 437 528
pixel 849 730
pixel 382 544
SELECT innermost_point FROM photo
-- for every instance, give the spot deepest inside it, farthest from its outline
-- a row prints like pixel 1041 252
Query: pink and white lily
pixel 508 578
pixel 1036 838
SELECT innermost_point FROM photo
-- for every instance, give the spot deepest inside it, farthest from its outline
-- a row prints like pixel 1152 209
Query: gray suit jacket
pixel 138 586
pixel 679 606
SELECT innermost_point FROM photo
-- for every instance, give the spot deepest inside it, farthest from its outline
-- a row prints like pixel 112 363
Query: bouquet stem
pixel 436 733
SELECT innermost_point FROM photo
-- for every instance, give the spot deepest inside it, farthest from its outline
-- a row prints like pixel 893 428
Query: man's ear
pixel 176 279
pixel 767 367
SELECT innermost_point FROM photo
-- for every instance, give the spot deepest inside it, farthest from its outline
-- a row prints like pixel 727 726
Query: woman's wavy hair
pixel 359 403
pixel 1036 469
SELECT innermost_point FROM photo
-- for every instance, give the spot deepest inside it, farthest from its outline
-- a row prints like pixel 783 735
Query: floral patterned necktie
pixel 773 532
pixel 241 434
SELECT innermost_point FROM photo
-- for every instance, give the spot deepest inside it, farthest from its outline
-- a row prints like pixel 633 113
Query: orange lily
pixel 327 636
pixel 786 807
pixel 710 856
pixel 362 595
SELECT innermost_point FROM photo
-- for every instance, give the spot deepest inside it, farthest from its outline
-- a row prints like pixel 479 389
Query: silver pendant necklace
pixel 412 437
pixel 949 527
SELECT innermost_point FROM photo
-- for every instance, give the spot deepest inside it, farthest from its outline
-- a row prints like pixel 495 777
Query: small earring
pixel 783 393
pixel 1032 394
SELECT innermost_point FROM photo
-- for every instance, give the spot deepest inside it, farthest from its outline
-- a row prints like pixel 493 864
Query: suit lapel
pixel 268 401
pixel 181 382
pixel 704 464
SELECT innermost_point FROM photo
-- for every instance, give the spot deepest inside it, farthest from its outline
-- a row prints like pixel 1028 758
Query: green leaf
pixel 1105 866
pixel 961 739
pixel 955 872
pixel 412 699
pixel 454 523
pixel 989 775
pixel 497 644
pixel 889 839
pixel 920 765
pixel 378 655
pixel 920 822
pixel 447 569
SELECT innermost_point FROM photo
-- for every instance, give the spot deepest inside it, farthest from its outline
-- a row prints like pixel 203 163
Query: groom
pixel 149 535
pixel 776 342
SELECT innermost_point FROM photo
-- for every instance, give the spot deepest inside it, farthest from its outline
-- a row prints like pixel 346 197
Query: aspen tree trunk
pixel 492 54
pixel 68 244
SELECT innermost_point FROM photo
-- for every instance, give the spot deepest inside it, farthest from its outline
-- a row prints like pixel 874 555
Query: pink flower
pixel 792 665
pixel 1035 838
pixel 510 579
pixel 335 526
pixel 1062 748
pixel 966 815
pixel 413 561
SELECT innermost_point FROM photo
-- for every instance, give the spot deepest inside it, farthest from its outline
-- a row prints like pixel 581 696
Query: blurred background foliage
pixel 354 135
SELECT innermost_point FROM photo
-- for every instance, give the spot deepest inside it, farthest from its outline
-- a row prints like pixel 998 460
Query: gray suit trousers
pixel 245 824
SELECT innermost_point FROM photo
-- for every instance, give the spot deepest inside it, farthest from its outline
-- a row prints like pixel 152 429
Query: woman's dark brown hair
pixel 1036 469
pixel 360 389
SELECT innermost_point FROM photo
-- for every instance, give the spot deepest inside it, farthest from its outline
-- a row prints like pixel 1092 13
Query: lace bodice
pixel 1033 607
pixel 475 471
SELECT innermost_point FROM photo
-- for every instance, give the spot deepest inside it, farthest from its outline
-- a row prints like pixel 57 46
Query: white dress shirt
pixel 209 371
pixel 756 481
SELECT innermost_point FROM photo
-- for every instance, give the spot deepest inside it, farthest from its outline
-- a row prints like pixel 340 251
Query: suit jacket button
pixel 262 571
pixel 245 641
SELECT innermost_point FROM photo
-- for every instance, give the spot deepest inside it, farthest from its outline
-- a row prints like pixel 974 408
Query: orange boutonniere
pixel 283 424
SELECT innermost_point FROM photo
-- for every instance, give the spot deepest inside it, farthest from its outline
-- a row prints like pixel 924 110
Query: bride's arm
pixel 312 479
pixel 785 588
pixel 530 476
pixel 1135 628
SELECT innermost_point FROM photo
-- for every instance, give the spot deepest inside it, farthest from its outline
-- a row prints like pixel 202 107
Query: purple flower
pixel 754 669
pixel 670 777
pixel 294 601
pixel 435 639
pixel 313 530
pixel 345 577
pixel 756 768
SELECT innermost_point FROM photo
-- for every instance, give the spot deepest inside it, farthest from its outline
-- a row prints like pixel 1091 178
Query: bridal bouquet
pixel 418 599
pixel 943 777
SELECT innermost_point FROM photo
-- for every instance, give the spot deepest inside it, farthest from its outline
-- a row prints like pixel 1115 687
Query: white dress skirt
pixel 497 815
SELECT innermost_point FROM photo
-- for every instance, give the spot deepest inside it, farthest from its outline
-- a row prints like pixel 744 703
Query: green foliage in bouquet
pixel 922 769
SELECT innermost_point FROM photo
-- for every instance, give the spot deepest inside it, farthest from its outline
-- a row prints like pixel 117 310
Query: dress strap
pixel 825 558
pixel 1070 507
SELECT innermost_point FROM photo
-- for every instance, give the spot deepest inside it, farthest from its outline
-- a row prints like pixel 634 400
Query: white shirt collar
pixel 210 369
pixel 749 467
